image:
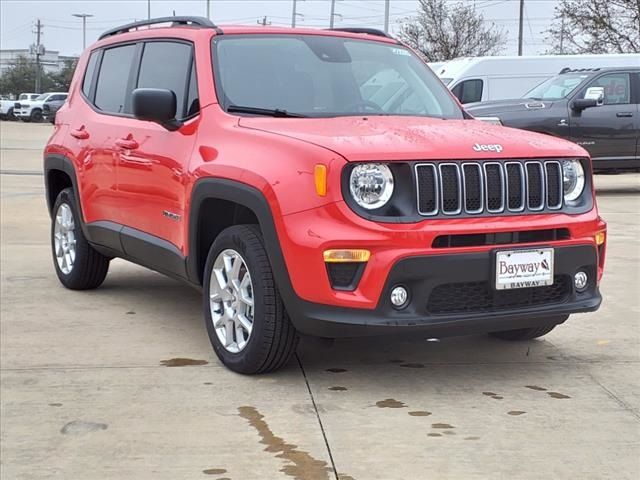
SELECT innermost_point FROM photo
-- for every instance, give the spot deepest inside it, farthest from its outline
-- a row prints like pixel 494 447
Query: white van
pixel 478 79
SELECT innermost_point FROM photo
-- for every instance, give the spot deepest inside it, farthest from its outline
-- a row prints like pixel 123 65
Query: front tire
pixel 36 116
pixel 247 324
pixel 529 333
pixel 78 265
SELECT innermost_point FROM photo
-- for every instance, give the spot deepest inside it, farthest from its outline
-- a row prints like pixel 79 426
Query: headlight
pixel 371 185
pixel 572 179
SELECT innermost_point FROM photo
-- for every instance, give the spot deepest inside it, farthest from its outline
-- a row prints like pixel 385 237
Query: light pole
pixel 84 17
pixel 295 14
pixel 209 9
pixel 520 28
pixel 386 16
pixel 333 13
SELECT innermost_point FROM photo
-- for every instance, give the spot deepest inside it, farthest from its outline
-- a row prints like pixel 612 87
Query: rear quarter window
pixel 87 81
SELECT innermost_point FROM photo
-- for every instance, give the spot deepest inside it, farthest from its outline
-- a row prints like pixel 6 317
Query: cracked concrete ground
pixel 121 382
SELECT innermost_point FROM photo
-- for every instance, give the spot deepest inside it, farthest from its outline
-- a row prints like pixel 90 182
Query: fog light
pixel 399 297
pixel 580 281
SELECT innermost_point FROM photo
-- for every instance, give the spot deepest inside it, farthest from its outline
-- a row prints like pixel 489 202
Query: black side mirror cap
pixel 156 105
pixel 582 103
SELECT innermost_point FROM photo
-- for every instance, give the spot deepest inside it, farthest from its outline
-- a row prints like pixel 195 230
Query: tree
pixel 442 31
pixel 595 26
pixel 61 80
pixel 20 76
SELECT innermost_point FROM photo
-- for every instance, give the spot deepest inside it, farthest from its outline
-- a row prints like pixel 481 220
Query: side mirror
pixel 156 105
pixel 596 93
pixel 583 103
pixel 593 97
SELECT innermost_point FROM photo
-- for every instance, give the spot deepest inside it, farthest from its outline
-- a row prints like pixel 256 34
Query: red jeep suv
pixel 319 182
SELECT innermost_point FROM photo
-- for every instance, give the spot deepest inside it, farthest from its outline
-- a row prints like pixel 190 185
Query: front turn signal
pixel 348 255
pixel 600 238
pixel 320 177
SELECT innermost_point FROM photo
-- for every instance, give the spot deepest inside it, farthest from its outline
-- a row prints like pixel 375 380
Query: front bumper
pixel 452 294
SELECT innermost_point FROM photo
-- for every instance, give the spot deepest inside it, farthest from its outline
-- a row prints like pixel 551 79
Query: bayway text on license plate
pixel 524 268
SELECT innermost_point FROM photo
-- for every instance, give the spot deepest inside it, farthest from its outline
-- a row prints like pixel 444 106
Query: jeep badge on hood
pixel 488 148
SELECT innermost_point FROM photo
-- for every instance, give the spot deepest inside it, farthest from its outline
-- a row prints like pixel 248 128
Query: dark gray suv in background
pixel 595 108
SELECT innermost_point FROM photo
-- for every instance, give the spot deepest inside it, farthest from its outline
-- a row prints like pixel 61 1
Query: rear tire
pixel 529 333
pixel 238 282
pixel 78 265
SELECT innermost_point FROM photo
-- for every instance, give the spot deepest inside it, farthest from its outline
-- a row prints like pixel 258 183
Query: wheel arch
pixel 59 174
pixel 249 198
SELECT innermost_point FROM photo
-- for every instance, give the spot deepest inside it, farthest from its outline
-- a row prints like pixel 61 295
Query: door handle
pixel 127 143
pixel 624 114
pixel 80 133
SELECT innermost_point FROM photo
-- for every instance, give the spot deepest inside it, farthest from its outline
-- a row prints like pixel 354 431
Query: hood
pixel 484 109
pixel 414 138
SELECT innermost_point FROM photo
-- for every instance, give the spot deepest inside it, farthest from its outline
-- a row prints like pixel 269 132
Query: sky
pixel 63 32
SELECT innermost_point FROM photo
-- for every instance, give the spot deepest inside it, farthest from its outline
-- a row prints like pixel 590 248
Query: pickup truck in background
pixel 32 110
pixel 596 108
pixel 7 106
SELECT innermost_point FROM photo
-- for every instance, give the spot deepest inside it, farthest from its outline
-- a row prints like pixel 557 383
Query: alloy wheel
pixel 231 300
pixel 64 238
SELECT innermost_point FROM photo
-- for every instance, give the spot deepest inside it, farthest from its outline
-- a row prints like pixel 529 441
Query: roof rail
pixel 367 31
pixel 575 70
pixel 175 21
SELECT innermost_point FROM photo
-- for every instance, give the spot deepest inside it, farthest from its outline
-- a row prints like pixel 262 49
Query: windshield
pixel 556 87
pixel 321 76
pixel 42 97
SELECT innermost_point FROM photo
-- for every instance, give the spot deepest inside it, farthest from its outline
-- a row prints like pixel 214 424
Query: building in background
pixel 51 61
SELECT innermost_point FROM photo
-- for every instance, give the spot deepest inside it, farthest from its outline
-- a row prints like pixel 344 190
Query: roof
pixel 185 26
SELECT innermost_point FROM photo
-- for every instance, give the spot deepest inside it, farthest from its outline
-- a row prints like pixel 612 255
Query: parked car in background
pixel 480 79
pixel 50 108
pixel 32 110
pixel 598 109
pixel 6 109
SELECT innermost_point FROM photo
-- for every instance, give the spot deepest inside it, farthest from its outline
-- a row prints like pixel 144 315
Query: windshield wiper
pixel 275 112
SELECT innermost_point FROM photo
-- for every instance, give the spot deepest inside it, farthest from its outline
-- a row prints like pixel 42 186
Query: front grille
pixel 479 297
pixel 488 188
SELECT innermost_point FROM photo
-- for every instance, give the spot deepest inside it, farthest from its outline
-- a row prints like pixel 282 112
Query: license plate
pixel 524 268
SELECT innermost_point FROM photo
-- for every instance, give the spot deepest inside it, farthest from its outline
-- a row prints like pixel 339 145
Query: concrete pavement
pixel 122 383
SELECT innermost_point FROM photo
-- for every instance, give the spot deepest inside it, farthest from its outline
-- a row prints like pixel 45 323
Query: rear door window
pixel 167 65
pixel 113 79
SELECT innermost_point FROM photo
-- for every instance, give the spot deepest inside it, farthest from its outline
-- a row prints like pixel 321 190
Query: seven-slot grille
pixel 450 188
